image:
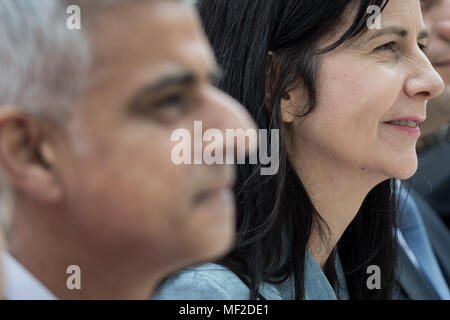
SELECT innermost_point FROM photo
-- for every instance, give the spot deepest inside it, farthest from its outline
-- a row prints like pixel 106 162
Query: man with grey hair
pixel 98 209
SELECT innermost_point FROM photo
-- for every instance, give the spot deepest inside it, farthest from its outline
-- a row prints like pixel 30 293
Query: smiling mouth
pixel 411 128
pixel 404 123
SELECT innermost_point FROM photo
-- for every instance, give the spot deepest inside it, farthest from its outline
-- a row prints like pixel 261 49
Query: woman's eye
pixel 422 46
pixel 391 46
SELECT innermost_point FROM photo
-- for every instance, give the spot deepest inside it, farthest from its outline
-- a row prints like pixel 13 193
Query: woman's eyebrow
pixel 401 32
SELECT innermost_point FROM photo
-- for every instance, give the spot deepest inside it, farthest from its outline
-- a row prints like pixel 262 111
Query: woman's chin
pixel 405 168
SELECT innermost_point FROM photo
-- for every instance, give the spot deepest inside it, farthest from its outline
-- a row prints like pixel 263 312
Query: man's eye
pixel 174 100
pixel 170 108
pixel 391 46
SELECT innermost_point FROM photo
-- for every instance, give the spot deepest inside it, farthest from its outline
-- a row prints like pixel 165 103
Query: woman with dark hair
pixel 347 89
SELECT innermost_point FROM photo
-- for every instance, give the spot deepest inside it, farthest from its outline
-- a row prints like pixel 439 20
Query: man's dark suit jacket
pixel 411 283
pixel 431 185
pixel 432 179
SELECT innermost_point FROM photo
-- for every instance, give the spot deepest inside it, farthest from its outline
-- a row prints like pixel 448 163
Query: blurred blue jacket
pixel 214 282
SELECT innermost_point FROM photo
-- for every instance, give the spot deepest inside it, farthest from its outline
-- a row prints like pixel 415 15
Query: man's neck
pixel 47 250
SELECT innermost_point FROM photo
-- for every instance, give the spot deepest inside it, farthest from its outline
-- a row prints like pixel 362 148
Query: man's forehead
pixel 156 33
pixel 156 18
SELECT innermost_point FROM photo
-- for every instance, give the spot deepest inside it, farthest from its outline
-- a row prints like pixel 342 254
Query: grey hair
pixel 42 62
pixel 42 66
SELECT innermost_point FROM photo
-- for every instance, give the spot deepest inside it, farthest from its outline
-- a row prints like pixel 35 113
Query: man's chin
pixel 216 219
pixel 219 247
pixel 209 246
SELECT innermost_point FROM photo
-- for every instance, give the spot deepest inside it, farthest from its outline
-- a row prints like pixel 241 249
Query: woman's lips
pixel 413 132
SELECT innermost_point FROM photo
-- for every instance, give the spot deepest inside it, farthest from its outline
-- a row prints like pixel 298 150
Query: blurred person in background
pixel 432 180
pixel 86 118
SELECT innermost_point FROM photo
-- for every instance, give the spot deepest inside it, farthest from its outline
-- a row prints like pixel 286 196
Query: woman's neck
pixel 337 192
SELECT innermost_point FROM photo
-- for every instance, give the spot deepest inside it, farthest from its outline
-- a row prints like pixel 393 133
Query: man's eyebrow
pixel 181 78
pixel 397 31
pixel 173 79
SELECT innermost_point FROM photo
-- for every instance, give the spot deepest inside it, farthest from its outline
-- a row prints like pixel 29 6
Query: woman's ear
pixel 287 109
pixel 288 104
pixel 27 156
pixel 293 103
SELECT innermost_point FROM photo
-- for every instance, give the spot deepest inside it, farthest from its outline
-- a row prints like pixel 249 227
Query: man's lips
pixel 213 192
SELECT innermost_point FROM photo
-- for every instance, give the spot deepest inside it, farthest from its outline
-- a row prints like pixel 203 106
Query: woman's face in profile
pixel 377 78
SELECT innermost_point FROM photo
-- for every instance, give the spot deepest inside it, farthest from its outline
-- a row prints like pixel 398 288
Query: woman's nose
pixel 427 84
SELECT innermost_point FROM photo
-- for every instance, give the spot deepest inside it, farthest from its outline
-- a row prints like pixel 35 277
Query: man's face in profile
pixel 436 15
pixel 152 73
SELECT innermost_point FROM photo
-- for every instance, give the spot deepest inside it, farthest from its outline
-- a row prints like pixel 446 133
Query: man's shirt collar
pixel 20 284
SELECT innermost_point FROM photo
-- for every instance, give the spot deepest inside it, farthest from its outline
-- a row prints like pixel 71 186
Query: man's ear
pixel 27 156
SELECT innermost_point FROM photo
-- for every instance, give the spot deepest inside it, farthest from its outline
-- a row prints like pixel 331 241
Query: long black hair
pixel 275 214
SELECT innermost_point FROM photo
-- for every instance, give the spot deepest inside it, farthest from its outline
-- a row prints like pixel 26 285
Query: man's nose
pixel 228 114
